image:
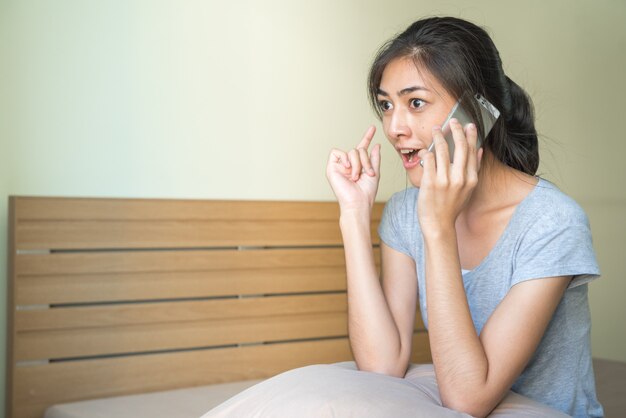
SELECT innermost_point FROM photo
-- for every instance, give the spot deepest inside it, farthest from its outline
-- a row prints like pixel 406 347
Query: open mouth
pixel 408 154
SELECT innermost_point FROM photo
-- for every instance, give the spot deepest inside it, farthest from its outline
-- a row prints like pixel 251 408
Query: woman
pixel 502 256
pixel 497 258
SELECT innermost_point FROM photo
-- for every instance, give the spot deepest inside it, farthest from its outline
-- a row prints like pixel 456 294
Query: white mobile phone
pixel 462 112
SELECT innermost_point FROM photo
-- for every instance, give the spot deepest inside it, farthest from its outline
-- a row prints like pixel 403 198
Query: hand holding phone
pixel 462 111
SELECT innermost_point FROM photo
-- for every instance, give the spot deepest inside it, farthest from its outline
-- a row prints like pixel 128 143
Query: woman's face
pixel 411 102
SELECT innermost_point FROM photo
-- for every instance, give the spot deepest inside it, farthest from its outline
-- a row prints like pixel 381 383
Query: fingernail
pixel 454 121
pixel 436 128
pixel 471 126
pixel 371 171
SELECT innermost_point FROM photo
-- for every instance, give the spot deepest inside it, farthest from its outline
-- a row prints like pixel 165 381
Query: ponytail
pixel 515 141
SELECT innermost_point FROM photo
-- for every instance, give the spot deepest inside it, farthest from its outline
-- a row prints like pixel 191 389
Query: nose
pixel 398 125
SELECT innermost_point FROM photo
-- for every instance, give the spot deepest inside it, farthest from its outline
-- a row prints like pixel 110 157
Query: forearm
pixel 458 355
pixel 373 333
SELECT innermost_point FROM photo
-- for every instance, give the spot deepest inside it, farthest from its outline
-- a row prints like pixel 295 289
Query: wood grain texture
pixel 40 386
pixel 62 333
pixel 74 223
pixel 43 385
pixel 90 209
pixel 118 296
pixel 60 278
pixel 101 235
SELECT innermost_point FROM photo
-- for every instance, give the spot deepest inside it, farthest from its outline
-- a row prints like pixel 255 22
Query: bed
pixel 166 308
pixel 179 303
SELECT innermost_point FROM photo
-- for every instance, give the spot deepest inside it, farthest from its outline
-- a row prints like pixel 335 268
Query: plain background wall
pixel 244 99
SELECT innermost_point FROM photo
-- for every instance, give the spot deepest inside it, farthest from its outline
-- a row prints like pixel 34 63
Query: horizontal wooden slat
pixel 53 208
pixel 173 261
pixel 39 386
pixel 151 286
pixel 122 276
pixel 66 235
pixel 175 312
pixel 40 290
pixel 122 266
pixel 113 329
pixel 90 331
pixel 420 352
pixel 126 223
pixel 146 338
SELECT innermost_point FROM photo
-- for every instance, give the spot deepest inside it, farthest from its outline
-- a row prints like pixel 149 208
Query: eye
pixel 417 103
pixel 384 105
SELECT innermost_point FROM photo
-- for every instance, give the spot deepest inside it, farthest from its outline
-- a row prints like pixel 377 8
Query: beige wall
pixel 244 99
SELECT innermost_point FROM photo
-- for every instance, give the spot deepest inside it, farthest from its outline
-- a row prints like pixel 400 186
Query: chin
pixel 415 178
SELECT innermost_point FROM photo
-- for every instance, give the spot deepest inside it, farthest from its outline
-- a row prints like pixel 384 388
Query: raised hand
pixel 445 188
pixel 354 175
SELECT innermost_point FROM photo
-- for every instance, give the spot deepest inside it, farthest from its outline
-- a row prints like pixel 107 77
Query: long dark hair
pixel 462 56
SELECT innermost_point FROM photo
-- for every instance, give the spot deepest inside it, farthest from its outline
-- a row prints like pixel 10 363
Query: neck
pixel 498 185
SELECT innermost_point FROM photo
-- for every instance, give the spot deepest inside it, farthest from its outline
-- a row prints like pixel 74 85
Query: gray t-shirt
pixel 548 235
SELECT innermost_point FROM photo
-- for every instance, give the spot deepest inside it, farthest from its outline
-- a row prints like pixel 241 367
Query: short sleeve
pixel 395 226
pixel 558 244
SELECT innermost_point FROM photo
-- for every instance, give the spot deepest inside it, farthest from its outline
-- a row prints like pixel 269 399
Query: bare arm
pixel 473 372
pixel 380 318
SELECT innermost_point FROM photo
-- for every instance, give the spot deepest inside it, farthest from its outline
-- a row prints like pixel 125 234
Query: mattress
pixel 194 402
pixel 179 403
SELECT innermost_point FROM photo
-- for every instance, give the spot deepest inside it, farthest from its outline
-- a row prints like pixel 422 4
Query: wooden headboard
pixel 111 297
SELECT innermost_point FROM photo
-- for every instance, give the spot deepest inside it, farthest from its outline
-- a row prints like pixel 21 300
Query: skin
pixel 463 209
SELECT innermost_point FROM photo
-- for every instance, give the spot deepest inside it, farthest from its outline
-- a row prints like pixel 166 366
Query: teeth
pixel 409 152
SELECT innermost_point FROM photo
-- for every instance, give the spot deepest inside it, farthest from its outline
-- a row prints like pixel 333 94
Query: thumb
pixel 376 159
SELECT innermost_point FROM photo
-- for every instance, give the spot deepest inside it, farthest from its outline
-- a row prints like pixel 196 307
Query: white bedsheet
pixel 179 403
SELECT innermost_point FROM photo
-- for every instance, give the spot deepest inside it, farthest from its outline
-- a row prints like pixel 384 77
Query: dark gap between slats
pixel 184 350
pixel 196 299
pixel 174 249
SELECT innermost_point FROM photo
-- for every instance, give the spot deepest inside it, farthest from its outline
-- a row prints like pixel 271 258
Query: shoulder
pixel 402 204
pixel 553 238
pixel 399 225
pixel 550 206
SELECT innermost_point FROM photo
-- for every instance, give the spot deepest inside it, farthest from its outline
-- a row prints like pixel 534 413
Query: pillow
pixel 341 390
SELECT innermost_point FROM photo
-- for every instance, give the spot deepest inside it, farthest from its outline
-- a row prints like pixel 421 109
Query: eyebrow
pixel 403 91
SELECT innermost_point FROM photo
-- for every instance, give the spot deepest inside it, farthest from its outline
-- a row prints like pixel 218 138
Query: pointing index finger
pixel 367 138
